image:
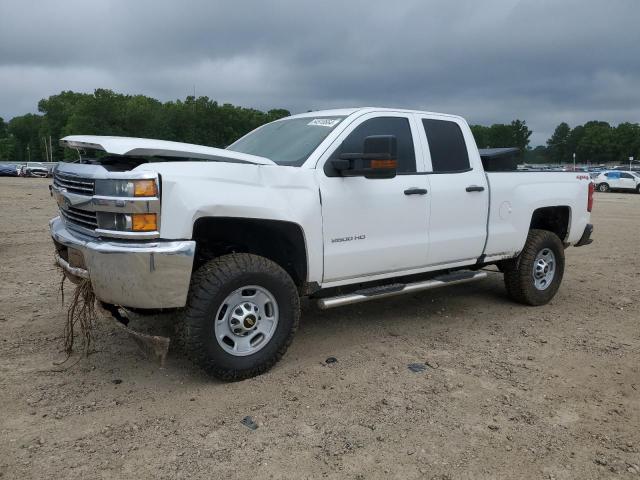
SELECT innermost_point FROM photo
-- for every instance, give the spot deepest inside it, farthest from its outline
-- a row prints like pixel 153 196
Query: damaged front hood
pixel 146 147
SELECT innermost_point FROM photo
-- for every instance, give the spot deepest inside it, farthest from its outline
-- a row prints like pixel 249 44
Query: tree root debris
pixel 81 316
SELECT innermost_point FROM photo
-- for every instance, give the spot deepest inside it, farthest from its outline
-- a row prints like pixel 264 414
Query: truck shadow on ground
pixel 336 332
pixel 424 304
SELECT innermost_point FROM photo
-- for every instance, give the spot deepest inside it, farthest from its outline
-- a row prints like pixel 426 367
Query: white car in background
pixel 35 169
pixel 618 180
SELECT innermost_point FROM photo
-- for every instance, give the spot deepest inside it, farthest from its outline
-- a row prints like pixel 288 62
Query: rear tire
pixel 537 273
pixel 603 187
pixel 233 299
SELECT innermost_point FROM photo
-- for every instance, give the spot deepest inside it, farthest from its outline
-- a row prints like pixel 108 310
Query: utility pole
pixel 574 161
pixel 50 149
pixel 630 162
pixel 28 154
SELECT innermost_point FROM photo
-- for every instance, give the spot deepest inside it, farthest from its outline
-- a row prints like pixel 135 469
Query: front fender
pixel 193 190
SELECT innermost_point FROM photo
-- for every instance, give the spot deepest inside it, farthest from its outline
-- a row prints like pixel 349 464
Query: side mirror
pixel 377 160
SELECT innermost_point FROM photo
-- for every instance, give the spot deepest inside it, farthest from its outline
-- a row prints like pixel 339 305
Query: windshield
pixel 287 142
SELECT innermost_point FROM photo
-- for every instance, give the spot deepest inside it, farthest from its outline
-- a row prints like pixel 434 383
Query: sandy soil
pixel 512 391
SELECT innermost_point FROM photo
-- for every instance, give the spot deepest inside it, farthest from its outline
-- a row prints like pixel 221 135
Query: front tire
pixel 241 315
pixel 603 187
pixel 535 277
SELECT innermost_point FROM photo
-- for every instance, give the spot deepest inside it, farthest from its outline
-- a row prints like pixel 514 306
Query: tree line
pixel 203 121
pixel 594 142
pixel 104 112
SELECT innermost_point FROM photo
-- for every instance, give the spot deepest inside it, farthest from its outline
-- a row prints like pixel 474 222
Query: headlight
pixel 128 222
pixel 126 188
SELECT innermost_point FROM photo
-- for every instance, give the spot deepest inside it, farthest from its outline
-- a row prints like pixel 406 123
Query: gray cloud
pixel 544 61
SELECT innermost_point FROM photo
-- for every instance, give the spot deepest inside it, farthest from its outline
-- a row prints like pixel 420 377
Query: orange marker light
pixel 383 164
pixel 144 222
pixel 145 188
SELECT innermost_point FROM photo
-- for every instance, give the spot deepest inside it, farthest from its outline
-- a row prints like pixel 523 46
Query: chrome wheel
pixel 544 268
pixel 246 320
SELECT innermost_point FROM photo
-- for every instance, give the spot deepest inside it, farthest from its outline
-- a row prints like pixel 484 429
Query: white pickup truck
pixel 341 206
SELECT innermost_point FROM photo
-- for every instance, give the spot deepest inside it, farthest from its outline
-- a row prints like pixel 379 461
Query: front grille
pixel 79 217
pixel 73 184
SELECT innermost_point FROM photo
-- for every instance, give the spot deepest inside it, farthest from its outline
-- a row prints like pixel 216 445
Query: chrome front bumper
pixel 151 274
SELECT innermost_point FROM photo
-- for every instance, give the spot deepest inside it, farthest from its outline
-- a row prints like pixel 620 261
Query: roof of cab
pixel 345 112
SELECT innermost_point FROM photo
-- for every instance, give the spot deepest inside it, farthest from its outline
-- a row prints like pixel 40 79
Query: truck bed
pixel 514 196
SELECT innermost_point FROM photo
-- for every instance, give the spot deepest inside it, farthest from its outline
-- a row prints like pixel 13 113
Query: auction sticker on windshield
pixel 325 122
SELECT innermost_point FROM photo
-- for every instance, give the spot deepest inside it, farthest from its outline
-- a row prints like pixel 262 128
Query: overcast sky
pixel 543 61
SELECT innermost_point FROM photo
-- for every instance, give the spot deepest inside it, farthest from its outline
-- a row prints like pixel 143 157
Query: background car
pixel 618 180
pixel 9 170
pixel 35 169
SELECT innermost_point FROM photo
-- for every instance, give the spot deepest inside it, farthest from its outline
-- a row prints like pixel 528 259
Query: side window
pixel 447 146
pixel 397 126
pixel 626 175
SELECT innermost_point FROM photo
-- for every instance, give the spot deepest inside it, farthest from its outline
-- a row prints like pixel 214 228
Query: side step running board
pixel 395 289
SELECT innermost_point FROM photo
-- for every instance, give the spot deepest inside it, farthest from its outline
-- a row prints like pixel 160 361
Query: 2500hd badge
pixel 348 239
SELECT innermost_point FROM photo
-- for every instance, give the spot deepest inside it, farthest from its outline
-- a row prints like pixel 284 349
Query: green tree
pixel 597 143
pixel 520 134
pixel 481 134
pixel 539 154
pixel 515 134
pixel 626 138
pixel 56 111
pixel 27 142
pixel 573 141
pixel 501 135
pixel 7 144
pixel 558 144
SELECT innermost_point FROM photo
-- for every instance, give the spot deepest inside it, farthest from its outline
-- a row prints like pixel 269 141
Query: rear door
pixel 459 191
pixel 375 226
pixel 614 179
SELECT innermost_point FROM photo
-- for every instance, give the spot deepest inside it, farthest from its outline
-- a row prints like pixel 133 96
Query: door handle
pixel 415 191
pixel 475 188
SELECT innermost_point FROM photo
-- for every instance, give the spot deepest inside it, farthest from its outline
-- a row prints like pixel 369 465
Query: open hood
pixel 146 147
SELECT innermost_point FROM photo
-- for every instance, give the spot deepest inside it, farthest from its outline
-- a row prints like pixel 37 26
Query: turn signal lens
pixel 145 188
pixel 144 222
pixel 383 164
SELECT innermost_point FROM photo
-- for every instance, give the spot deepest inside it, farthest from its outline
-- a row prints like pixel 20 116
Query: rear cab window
pixel 448 149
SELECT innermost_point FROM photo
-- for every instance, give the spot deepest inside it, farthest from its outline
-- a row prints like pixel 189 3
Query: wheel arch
pixel 280 241
pixel 556 219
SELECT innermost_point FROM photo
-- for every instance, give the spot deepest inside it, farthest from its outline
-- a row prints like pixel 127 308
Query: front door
pixel 614 179
pixel 627 181
pixel 375 226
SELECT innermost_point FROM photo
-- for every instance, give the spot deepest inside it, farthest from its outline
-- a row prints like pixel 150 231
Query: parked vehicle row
pixel 9 170
pixel 30 169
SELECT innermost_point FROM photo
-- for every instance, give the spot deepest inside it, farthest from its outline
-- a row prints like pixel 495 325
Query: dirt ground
pixel 550 392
